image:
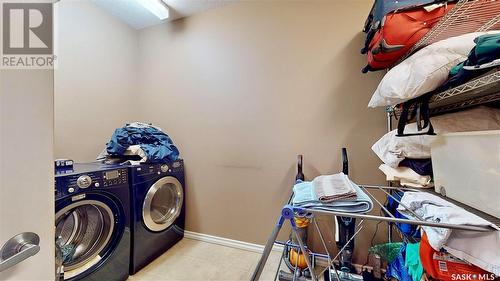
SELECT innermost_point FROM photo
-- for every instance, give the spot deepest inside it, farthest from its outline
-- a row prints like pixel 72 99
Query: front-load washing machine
pixel 157 192
pixel 93 222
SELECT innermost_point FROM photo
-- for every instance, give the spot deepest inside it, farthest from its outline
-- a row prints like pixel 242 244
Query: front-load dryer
pixel 93 222
pixel 157 192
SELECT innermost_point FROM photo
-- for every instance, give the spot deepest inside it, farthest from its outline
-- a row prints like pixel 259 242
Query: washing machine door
pixel 87 231
pixel 162 204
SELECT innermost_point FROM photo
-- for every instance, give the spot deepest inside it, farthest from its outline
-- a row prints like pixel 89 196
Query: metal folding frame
pixel 288 213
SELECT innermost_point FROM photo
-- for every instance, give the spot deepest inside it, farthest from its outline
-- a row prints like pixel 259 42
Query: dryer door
pixel 162 204
pixel 86 231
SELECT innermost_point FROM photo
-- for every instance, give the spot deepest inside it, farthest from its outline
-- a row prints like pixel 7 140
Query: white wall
pixel 95 79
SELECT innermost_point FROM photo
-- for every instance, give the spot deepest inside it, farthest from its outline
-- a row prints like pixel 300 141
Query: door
pixel 26 140
pixel 26 168
pixel 162 204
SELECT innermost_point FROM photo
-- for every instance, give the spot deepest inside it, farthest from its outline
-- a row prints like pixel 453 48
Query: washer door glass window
pixel 83 229
pixel 163 203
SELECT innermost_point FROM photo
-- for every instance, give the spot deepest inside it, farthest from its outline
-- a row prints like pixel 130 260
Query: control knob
pixel 164 168
pixel 84 181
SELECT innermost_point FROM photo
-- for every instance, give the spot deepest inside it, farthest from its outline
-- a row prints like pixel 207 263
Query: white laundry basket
pixel 466 168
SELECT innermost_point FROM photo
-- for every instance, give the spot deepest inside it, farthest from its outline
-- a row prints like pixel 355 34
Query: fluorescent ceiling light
pixel 157 7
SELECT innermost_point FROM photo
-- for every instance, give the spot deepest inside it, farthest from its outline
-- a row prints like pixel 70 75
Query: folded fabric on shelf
pixel 392 149
pixel 304 195
pixel 479 248
pixel 482 58
pixel 329 188
pixel 420 166
pixel 424 71
pixel 406 176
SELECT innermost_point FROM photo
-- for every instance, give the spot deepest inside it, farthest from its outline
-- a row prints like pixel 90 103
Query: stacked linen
pixel 392 150
pixel 407 159
pixel 331 193
pixel 406 176
pixel 482 59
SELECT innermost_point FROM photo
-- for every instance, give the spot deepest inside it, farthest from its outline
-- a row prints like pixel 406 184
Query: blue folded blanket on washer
pixel 304 195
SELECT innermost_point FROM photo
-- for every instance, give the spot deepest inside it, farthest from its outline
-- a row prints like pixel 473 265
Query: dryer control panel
pixel 70 184
pixel 159 169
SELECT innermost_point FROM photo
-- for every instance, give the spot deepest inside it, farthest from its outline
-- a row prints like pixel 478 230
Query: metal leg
pixel 326 250
pixel 279 264
pixel 389 128
pixel 286 214
pixel 304 251
pixel 267 249
pixel 343 248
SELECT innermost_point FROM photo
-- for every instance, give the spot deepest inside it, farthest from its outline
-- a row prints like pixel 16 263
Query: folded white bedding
pixel 392 149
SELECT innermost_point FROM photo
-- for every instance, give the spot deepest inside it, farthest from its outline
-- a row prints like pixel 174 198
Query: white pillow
pixel 424 71
pixel 392 149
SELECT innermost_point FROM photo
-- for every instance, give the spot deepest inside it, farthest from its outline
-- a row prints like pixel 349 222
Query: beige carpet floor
pixel 195 260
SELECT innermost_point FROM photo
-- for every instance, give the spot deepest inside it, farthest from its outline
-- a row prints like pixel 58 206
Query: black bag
pixel 419 110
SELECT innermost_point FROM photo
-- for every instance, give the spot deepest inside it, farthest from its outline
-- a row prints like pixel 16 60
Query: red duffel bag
pixel 399 32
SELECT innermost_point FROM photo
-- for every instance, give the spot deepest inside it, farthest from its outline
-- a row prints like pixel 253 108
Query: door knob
pixel 19 248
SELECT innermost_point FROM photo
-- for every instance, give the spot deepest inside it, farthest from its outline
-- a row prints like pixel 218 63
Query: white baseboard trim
pixel 257 248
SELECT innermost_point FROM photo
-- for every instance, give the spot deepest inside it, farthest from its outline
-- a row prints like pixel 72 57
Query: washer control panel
pixel 74 183
pixel 115 177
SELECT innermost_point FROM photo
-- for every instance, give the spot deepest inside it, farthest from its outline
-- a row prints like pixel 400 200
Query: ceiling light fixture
pixel 157 7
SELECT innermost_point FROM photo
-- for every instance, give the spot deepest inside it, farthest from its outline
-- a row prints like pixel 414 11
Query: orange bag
pixel 399 32
pixel 443 266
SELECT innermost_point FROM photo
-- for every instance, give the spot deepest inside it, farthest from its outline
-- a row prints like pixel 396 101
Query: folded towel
pixel 333 187
pixel 304 192
pixel 305 196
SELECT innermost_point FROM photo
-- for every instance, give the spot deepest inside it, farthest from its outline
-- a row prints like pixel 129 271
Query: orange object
pixel 443 266
pixel 293 256
pixel 399 32
pixel 301 222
